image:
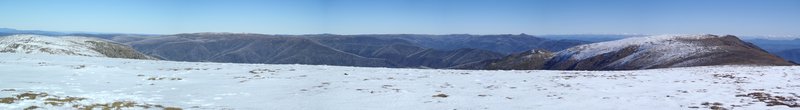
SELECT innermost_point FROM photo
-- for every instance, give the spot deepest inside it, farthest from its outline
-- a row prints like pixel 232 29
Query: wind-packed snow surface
pixel 191 85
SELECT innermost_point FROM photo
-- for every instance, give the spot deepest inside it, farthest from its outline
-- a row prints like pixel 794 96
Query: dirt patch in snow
pixel 165 78
pixel 45 99
pixel 441 95
pixel 770 100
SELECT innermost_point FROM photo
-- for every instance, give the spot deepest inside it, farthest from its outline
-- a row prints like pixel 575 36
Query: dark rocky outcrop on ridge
pixel 533 59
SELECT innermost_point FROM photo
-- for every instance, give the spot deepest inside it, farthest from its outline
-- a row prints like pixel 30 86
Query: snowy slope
pixel 67 45
pixel 663 51
pixel 37 44
pixel 191 85
pixel 666 44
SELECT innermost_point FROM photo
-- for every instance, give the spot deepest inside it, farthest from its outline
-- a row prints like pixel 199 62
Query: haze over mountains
pixel 456 51
pixel 791 54
pixel 425 51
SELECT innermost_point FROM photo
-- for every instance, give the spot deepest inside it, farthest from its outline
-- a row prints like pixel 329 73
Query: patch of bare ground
pixel 440 95
pixel 384 89
pixel 320 87
pixel 58 101
pixel 770 100
pixel 53 100
pixel 78 66
pixel 265 74
pixel 574 75
pixel 731 76
pixel 8 90
pixel 117 105
pixel 710 105
pixel 165 78
pixel 31 108
pixel 186 69
pixel 23 96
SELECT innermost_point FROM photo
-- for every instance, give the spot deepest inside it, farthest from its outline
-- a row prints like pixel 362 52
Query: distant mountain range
pixel 504 43
pixel 791 54
pixel 403 50
pixel 775 45
pixel 456 51
pixel 9 31
pixel 788 49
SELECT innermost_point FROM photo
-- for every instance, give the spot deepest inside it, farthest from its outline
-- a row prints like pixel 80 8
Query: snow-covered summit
pixel 663 51
pixel 37 44
pixel 652 43
pixel 66 45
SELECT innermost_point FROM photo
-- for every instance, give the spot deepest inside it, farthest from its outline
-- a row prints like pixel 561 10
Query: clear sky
pixel 740 17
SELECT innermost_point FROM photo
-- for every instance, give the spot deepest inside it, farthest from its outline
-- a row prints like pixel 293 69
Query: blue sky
pixel 739 17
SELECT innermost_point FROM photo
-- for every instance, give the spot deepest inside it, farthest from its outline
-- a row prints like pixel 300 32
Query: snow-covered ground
pixel 48 81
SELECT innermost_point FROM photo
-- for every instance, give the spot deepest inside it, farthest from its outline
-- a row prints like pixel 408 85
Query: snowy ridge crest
pixel 663 51
pixel 38 44
pixel 667 44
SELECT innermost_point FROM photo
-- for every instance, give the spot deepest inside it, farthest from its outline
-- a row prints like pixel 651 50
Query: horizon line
pixel 795 36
